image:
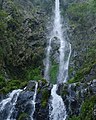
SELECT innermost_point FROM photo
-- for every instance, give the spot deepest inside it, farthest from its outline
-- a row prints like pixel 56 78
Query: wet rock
pixel 31 85
pixel 76 94
pixel 42 102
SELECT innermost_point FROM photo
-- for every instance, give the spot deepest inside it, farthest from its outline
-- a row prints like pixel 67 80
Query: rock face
pixel 74 95
pixel 82 38
pixel 42 102
pixel 23 106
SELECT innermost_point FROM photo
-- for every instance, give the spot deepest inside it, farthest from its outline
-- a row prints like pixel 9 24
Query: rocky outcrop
pixel 74 95
pixel 81 20
pixel 21 107
pixel 42 102
pixel 24 104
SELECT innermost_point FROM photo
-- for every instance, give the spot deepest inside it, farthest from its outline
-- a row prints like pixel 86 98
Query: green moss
pixel 33 74
pixel 85 70
pixel 45 96
pixel 8 86
pixel 3 22
pixel 2 82
pixel 53 73
pixel 74 118
pixel 23 116
pixel 87 108
pixel 72 80
pixel 44 103
pixel 64 92
pixel 77 11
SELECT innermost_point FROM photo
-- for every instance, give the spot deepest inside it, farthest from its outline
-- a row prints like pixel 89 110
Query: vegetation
pixel 85 70
pixel 74 118
pixel 81 17
pixel 34 74
pixel 45 97
pixel 22 43
pixel 86 110
pixel 23 116
pixel 9 85
pixel 53 73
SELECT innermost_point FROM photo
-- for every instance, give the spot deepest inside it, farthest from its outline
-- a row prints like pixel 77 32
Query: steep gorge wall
pixel 82 69
pixel 23 36
pixel 82 28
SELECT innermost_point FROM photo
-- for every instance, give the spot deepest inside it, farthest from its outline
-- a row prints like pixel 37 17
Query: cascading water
pixel 57 110
pixel 13 105
pixel 65 48
pixel 46 72
pixel 33 101
pixel 66 63
pixel 58 33
pixel 9 103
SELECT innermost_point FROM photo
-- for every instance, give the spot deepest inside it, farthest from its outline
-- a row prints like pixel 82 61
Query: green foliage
pixel 23 116
pixel 7 86
pixel 3 24
pixel 1 52
pixel 77 12
pixel 34 74
pixel 85 70
pixel 92 6
pixel 2 82
pixel 45 97
pixel 80 13
pixel 53 73
pixel 81 18
pixel 78 8
pixel 74 118
pixel 87 108
pixel 14 38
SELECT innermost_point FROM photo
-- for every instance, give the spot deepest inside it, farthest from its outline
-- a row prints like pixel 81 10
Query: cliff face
pixel 80 100
pixel 23 38
pixel 82 21
pixel 22 50
pixel 19 104
pixel 82 69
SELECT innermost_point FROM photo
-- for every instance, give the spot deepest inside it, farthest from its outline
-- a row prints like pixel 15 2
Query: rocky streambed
pixel 75 96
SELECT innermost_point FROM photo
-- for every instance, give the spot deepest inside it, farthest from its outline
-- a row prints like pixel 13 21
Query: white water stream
pixel 57 110
pixel 33 101
pixel 10 103
pixel 12 99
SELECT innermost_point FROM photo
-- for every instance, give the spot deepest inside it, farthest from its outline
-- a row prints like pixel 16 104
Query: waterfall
pixel 57 110
pixel 58 30
pixel 33 101
pixel 13 104
pixel 66 64
pixel 47 66
pixel 65 48
pixel 9 103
